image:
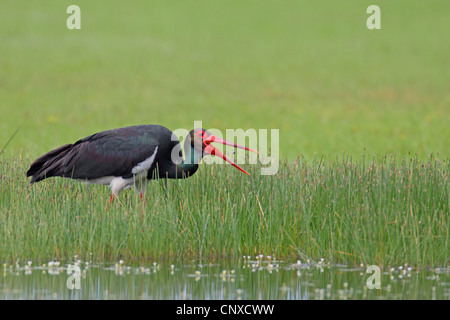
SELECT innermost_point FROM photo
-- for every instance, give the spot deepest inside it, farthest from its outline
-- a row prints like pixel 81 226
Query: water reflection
pixel 258 278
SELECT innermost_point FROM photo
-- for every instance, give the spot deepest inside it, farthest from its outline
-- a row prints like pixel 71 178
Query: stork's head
pixel 200 140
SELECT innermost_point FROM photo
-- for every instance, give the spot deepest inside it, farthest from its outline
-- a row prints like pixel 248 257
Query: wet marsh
pixel 257 278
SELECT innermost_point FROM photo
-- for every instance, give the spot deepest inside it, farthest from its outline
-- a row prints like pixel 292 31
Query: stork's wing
pixel 118 152
pixel 111 153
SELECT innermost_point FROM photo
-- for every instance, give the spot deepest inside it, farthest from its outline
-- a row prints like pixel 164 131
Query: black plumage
pixel 108 153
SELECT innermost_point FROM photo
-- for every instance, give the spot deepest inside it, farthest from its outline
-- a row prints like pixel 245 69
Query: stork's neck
pixel 190 163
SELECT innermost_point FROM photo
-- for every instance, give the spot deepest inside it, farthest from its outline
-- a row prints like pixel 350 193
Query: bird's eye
pixel 201 134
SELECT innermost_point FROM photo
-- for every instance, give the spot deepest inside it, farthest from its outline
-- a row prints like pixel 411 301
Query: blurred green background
pixel 309 68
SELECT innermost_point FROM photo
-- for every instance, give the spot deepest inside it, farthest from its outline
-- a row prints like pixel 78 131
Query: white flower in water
pixel 120 262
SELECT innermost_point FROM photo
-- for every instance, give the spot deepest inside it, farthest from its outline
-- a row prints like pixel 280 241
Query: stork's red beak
pixel 209 149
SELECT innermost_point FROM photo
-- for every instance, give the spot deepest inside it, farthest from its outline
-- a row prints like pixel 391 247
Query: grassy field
pixel 372 212
pixel 309 68
pixel 335 90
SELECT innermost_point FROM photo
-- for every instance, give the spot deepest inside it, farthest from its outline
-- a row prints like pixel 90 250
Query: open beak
pixel 209 149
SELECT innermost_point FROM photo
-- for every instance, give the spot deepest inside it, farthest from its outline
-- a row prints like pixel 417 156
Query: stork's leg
pixel 141 194
pixel 140 186
pixel 111 199
pixel 117 184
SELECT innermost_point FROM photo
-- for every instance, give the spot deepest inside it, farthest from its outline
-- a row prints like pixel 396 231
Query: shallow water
pixel 257 278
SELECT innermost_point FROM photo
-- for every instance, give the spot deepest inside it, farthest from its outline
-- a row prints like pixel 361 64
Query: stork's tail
pixel 48 165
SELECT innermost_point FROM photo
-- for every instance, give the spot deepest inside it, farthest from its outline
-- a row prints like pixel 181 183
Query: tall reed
pixel 381 211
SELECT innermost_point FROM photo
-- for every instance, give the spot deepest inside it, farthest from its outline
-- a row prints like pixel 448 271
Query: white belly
pixel 117 184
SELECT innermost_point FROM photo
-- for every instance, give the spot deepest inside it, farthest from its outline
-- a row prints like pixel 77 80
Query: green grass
pixel 309 68
pixel 381 211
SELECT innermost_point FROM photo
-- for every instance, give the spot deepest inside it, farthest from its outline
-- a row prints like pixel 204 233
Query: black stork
pixel 129 156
